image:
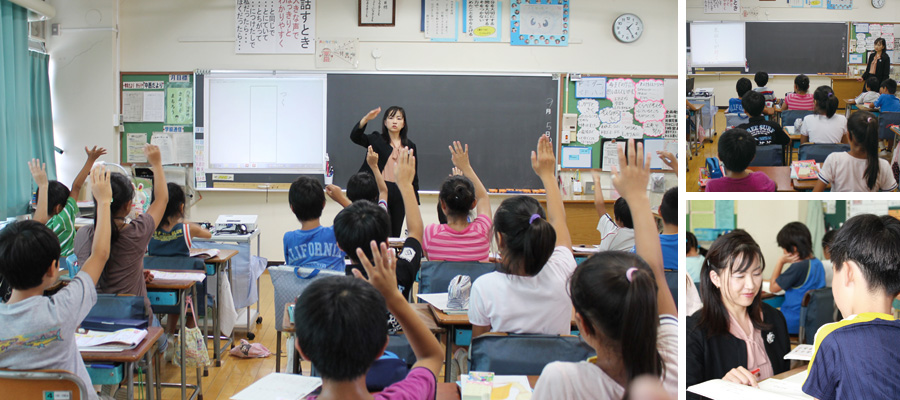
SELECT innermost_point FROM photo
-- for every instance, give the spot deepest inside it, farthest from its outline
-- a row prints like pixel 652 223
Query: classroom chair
pixel 734 119
pixel 790 117
pixel 672 280
pixel 769 155
pixel 885 119
pixel 516 354
pixel 435 276
pixel 819 151
pixel 816 309
pixel 32 384
pixel 180 263
pixel 288 283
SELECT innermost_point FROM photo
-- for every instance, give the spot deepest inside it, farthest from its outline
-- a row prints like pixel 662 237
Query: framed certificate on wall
pixel 377 12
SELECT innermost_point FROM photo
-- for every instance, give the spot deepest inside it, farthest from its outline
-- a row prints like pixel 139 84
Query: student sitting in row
pixel 824 126
pixel 340 328
pixel 856 358
pixel 615 233
pixel 693 258
pixel 762 79
pixel 37 331
pixel 859 169
pixel 458 239
pixel 736 150
pixel 800 99
pixel 668 239
pixel 734 104
pixel 764 131
pixel 362 185
pixel 623 308
pixel 805 272
pixel 528 292
pixel 872 93
pixel 827 241
pixel 313 245
pixel 888 102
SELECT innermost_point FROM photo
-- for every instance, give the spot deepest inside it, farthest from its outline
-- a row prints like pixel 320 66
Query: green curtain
pixel 815 221
pixel 25 120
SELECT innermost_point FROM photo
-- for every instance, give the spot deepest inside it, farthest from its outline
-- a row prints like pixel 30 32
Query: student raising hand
pixel 39 173
pixel 669 159
pixel 372 158
pixel 542 161
pixel 406 174
pixel 102 191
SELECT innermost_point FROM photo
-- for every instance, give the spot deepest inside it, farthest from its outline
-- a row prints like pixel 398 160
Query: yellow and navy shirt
pixel 172 243
pixel 856 358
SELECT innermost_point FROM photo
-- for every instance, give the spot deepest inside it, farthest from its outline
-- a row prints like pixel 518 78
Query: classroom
pixel 103 58
pixel 813 62
pixel 797 282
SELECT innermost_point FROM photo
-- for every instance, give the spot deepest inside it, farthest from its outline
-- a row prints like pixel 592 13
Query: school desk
pixel 129 357
pixel 581 216
pixel 181 287
pixel 695 138
pixel 790 373
pixel 451 391
pixel 851 106
pixel 221 262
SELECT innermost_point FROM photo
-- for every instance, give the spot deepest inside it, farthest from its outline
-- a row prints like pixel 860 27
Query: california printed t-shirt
pixel 314 248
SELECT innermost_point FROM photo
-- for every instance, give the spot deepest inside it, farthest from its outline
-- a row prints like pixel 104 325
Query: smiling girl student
pixel 824 126
pixel 860 169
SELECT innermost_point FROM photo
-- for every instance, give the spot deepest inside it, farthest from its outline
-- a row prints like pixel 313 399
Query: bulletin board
pixel 869 31
pixel 600 112
pixel 709 219
pixel 160 103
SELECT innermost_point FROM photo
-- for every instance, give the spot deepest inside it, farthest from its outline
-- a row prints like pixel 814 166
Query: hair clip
pixel 533 217
pixel 630 273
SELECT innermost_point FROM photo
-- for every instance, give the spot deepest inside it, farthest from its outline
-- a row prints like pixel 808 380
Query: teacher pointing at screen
pixel 387 144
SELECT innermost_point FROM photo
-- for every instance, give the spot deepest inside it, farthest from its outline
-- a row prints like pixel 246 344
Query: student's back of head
pixel 873 243
pixel 175 206
pixel 358 224
pixel 873 84
pixel 761 78
pixel 743 86
pixel 863 129
pixel 827 241
pixel 457 195
pixel 795 238
pixel 826 101
pixel 27 249
pixel 340 324
pixel 362 186
pixel 802 82
pixel 122 199
pixel 618 306
pixel 526 237
pixel 691 242
pixel 754 102
pixel 57 196
pixel 668 208
pixel 736 149
pixel 623 213
pixel 890 86
pixel 307 198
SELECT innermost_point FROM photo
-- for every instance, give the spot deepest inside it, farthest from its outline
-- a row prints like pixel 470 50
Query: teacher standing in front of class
pixel 387 144
pixel 879 64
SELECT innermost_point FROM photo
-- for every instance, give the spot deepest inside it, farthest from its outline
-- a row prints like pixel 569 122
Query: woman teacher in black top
pixel 735 336
pixel 387 143
pixel 879 64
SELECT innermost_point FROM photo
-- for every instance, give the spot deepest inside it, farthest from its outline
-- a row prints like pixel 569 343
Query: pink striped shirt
pixel 795 101
pixel 441 242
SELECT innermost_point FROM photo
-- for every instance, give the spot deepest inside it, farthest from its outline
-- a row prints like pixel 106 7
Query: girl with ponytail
pixel 457 239
pixel 623 308
pixel 860 169
pixel 528 292
pixel 824 126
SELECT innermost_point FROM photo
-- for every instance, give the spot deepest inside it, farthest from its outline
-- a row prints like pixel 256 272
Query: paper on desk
pixel 177 276
pixel 122 336
pixel 718 389
pixel 802 352
pixel 511 387
pixel 765 288
pixel 785 387
pixel 439 300
pixel 278 386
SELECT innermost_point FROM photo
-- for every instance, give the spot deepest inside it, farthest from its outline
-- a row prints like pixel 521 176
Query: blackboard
pixel 500 117
pixel 797 47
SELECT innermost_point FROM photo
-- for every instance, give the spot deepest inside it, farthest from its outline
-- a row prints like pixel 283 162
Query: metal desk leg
pixel 297 369
pixel 182 332
pixel 199 368
pixel 278 339
pixel 129 379
pixel 216 328
pixel 148 383
pixel 157 364
pixel 448 357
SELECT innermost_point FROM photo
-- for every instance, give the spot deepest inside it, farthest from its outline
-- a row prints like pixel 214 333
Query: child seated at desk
pixel 824 126
pixel 38 332
pixel 856 358
pixel 859 169
pixel 623 308
pixel 734 104
pixel 805 273
pixel 887 100
pixel 528 292
pixel 765 132
pixel 362 185
pixel 340 323
pixel 618 233
pixel 458 239
pixel 313 245
pixel 800 99
pixel 762 79
pixel 736 149
pixel 668 239
pixel 871 95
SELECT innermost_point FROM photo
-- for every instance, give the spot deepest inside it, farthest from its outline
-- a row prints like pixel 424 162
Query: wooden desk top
pixel 133 355
pixel 171 284
pixel 781 176
pixel 461 319
pixel 450 390
pixel 694 107
pixel 790 373
pixel 805 184
pixel 421 309
pixel 223 256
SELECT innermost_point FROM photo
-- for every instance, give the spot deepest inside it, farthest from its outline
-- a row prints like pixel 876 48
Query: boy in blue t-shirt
pixel 857 358
pixel 804 274
pixel 888 101
pixel 313 245
pixel 743 86
pixel 668 239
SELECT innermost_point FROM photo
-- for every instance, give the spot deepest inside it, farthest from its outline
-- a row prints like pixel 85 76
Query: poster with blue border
pixel 539 23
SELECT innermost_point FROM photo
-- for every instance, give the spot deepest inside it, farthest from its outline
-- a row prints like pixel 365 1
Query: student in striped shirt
pixel 801 99
pixel 60 203
pixel 459 239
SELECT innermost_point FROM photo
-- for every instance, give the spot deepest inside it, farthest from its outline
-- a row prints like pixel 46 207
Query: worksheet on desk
pixel 279 386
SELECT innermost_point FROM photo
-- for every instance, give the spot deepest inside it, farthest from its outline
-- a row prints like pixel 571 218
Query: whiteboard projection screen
pixel 718 44
pixel 265 123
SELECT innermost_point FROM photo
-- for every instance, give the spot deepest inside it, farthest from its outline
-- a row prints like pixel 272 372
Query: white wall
pixel 762 219
pixel 724 84
pixel 176 35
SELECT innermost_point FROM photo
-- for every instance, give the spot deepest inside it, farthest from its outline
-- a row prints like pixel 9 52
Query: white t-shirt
pixel 612 237
pixel 845 174
pixel 821 129
pixel 829 272
pixel 584 380
pixel 526 304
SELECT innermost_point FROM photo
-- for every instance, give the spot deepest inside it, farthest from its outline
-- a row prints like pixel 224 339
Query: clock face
pixel 878 3
pixel 628 27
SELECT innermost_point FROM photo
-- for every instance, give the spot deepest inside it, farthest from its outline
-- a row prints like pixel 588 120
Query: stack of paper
pixel 177 276
pixel 122 339
pixel 771 389
pixel 439 301
pixel 802 352
pixel 805 169
pixel 280 386
pixel 204 253
pixel 500 387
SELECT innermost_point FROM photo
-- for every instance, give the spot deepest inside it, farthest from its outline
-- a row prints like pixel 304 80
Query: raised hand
pixel 631 177
pixel 459 154
pixel 455 171
pixel 152 153
pixel 38 172
pixel 382 275
pixel 94 153
pixel 100 187
pixel 669 159
pixel 372 158
pixel 406 167
pixel 543 162
pixel 370 116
